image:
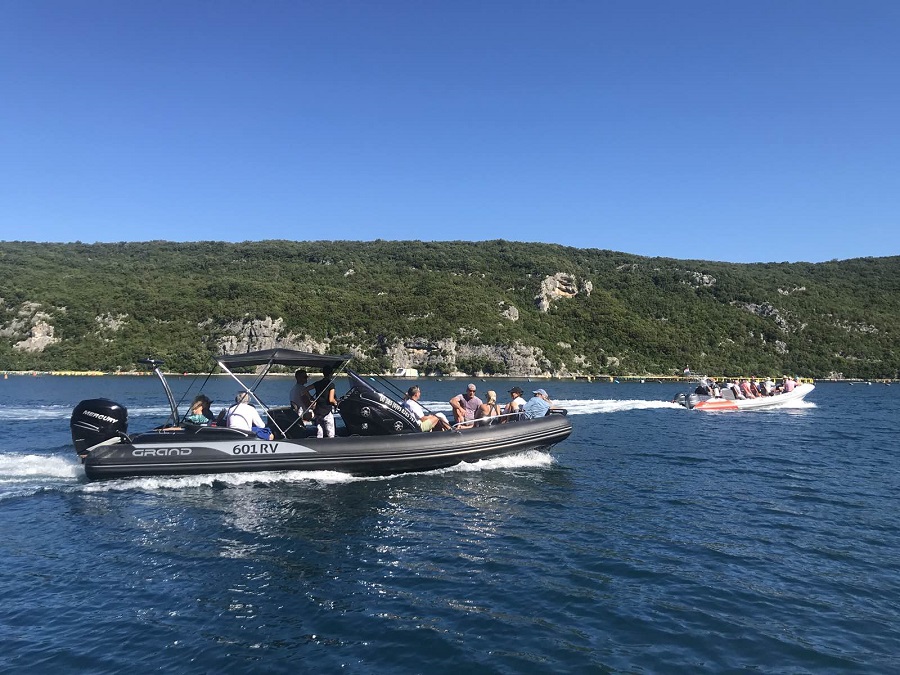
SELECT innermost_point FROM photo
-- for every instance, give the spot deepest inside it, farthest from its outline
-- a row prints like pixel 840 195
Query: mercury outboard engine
pixel 96 420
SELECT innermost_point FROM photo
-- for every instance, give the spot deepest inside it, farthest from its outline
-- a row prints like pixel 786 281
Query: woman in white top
pixel 515 405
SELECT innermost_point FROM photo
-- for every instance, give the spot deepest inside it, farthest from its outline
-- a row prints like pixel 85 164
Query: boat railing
pixel 495 419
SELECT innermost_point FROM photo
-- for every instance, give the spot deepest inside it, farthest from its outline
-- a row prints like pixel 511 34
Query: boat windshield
pixel 359 383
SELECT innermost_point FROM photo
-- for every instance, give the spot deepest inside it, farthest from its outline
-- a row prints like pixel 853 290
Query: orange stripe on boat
pixel 716 404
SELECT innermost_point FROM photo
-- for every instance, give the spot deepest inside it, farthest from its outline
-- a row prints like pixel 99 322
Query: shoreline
pixel 643 379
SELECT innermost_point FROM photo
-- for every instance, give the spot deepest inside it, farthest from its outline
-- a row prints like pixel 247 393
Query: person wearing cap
pixel 538 405
pixel 464 405
pixel 515 405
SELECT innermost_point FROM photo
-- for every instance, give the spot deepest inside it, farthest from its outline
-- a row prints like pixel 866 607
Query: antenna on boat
pixel 155 364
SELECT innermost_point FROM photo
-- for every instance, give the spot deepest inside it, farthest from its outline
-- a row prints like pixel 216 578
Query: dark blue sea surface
pixel 655 539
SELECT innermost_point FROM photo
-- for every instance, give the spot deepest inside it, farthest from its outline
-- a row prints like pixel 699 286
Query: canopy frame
pixel 278 357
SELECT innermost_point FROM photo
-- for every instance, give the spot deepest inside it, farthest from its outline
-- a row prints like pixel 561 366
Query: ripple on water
pixel 654 539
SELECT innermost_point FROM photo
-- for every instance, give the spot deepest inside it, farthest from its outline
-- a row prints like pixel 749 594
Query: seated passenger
pixel 515 406
pixel 788 384
pixel 426 422
pixel 244 417
pixel 199 412
pixel 746 389
pixel 464 406
pixel 538 406
pixel 707 387
pixel 488 413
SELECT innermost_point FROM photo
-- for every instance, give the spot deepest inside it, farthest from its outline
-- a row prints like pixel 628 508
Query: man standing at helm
pixel 326 403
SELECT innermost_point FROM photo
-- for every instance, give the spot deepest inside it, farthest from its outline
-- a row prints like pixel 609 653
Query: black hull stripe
pixel 372 460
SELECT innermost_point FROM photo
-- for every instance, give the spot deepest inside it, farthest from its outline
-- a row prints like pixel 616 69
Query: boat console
pixel 367 412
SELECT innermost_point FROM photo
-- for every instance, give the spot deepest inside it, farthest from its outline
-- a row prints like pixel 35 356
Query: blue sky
pixel 737 131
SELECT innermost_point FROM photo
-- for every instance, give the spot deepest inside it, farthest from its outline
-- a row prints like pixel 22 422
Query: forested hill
pixel 483 307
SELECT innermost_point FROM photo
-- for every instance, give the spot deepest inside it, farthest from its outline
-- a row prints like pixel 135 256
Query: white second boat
pixel 727 400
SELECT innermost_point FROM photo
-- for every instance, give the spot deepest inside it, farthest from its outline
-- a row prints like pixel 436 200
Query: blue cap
pixel 542 392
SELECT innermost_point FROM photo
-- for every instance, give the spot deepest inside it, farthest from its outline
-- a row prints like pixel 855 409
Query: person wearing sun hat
pixel 515 405
pixel 464 405
pixel 538 406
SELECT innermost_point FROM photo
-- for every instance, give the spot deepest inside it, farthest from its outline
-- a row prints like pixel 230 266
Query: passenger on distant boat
pixel 757 386
pixel 749 392
pixel 708 387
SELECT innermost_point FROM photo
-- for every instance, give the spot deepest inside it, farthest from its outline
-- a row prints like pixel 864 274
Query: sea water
pixel 654 539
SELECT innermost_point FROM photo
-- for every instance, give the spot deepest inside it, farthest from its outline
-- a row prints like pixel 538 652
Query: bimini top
pixel 283 357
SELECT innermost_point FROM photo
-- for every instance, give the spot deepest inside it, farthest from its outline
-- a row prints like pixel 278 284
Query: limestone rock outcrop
pixel 33 328
pixel 556 287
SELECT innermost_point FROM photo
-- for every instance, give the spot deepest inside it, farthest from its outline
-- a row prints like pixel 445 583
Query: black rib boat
pixel 379 436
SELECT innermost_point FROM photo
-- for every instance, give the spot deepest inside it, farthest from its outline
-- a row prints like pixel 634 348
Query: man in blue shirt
pixel 538 405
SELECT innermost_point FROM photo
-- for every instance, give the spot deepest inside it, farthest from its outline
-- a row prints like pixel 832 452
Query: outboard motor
pixel 96 420
pixel 687 400
pixel 371 413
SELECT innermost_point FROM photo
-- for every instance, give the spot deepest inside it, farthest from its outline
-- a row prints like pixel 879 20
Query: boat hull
pixel 219 450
